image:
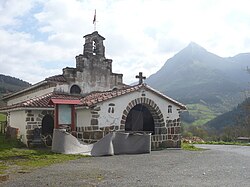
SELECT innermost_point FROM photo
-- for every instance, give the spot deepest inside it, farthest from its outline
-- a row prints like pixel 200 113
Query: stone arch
pixel 47 128
pixel 47 124
pixel 152 107
pixel 75 89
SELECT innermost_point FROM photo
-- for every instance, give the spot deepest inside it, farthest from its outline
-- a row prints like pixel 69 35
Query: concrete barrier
pixel 112 144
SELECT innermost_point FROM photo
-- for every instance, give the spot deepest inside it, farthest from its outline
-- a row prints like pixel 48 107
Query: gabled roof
pixel 97 97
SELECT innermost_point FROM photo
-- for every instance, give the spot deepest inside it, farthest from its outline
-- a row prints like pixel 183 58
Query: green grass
pixel 2 117
pixel 224 143
pixel 190 147
pixel 202 113
pixel 14 155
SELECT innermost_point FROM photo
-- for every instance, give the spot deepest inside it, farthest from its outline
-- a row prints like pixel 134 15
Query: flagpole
pixel 94 21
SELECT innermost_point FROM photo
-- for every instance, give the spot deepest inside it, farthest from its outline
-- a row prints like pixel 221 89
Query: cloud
pixel 40 37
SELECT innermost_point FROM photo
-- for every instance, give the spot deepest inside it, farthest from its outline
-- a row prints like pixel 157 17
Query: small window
pixel 170 109
pixel 94 47
pixel 111 108
pixel 75 89
pixel 143 93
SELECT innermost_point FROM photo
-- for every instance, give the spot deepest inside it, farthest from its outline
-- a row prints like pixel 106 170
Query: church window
pixel 170 109
pixel 75 89
pixel 111 108
pixel 143 94
pixel 94 47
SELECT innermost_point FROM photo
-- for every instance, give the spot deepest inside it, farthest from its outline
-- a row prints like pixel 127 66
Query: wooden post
pixel 73 125
pixel 56 125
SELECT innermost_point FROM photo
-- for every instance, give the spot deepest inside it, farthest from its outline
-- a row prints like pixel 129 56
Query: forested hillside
pixel 232 124
pixel 10 84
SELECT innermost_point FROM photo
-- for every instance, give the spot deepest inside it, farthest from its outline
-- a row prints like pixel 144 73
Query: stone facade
pixel 167 132
pixel 93 71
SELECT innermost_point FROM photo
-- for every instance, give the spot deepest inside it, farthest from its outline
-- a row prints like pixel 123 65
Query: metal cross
pixel 140 77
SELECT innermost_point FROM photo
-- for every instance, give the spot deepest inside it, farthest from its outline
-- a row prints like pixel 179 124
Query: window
pixel 111 108
pixel 169 109
pixel 143 93
pixel 94 49
pixel 75 89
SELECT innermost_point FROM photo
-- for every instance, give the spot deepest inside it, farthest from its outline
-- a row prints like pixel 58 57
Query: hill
pixel 195 76
pixel 234 117
pixel 10 84
pixel 236 121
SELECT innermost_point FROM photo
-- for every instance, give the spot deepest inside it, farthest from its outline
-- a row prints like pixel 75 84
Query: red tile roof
pixel 41 101
pixel 89 100
pixel 56 78
pixel 97 97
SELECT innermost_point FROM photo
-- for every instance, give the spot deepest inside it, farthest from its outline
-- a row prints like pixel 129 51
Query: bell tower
pixel 94 45
pixel 93 70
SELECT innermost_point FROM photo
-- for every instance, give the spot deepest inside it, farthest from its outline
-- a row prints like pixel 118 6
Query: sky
pixel 40 37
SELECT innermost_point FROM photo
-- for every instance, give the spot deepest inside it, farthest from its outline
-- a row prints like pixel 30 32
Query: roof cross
pixel 140 77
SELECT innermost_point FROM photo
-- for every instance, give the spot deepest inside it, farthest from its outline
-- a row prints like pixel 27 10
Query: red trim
pixel 56 125
pixel 73 125
pixel 65 101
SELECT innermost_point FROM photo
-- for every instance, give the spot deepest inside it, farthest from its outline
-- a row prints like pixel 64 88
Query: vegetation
pixel 10 84
pixel 226 127
pixel 223 143
pixel 202 113
pixel 13 154
pixel 2 117
pixel 190 147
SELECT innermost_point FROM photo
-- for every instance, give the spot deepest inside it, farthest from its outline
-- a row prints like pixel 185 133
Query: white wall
pixel 83 117
pixel 17 120
pixel 121 103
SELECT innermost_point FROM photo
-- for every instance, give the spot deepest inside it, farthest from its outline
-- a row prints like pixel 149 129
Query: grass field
pixel 2 117
pixel 15 158
pixel 201 112
pixel 190 147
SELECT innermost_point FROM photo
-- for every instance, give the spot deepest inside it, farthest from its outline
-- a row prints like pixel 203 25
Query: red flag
pixel 94 20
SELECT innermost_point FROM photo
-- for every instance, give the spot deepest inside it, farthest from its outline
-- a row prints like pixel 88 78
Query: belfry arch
pixel 146 105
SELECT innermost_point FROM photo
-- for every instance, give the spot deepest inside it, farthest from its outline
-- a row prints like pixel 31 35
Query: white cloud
pixel 140 35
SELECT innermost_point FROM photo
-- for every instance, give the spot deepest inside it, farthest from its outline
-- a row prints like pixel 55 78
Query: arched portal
pixel 149 114
pixel 47 124
pixel 47 129
pixel 140 119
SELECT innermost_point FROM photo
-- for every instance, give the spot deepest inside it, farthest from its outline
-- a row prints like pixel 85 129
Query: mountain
pixel 196 76
pixel 11 84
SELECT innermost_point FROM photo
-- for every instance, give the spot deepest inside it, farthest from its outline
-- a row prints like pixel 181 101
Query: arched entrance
pixel 147 113
pixel 140 119
pixel 47 129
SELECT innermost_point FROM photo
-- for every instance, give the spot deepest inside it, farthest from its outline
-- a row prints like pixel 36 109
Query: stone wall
pixel 91 134
pixel 170 139
pixel 34 120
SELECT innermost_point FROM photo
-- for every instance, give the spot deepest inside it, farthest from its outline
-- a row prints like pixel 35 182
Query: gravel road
pixel 213 167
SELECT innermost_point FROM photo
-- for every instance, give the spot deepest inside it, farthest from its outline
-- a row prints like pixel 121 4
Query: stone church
pixel 90 101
